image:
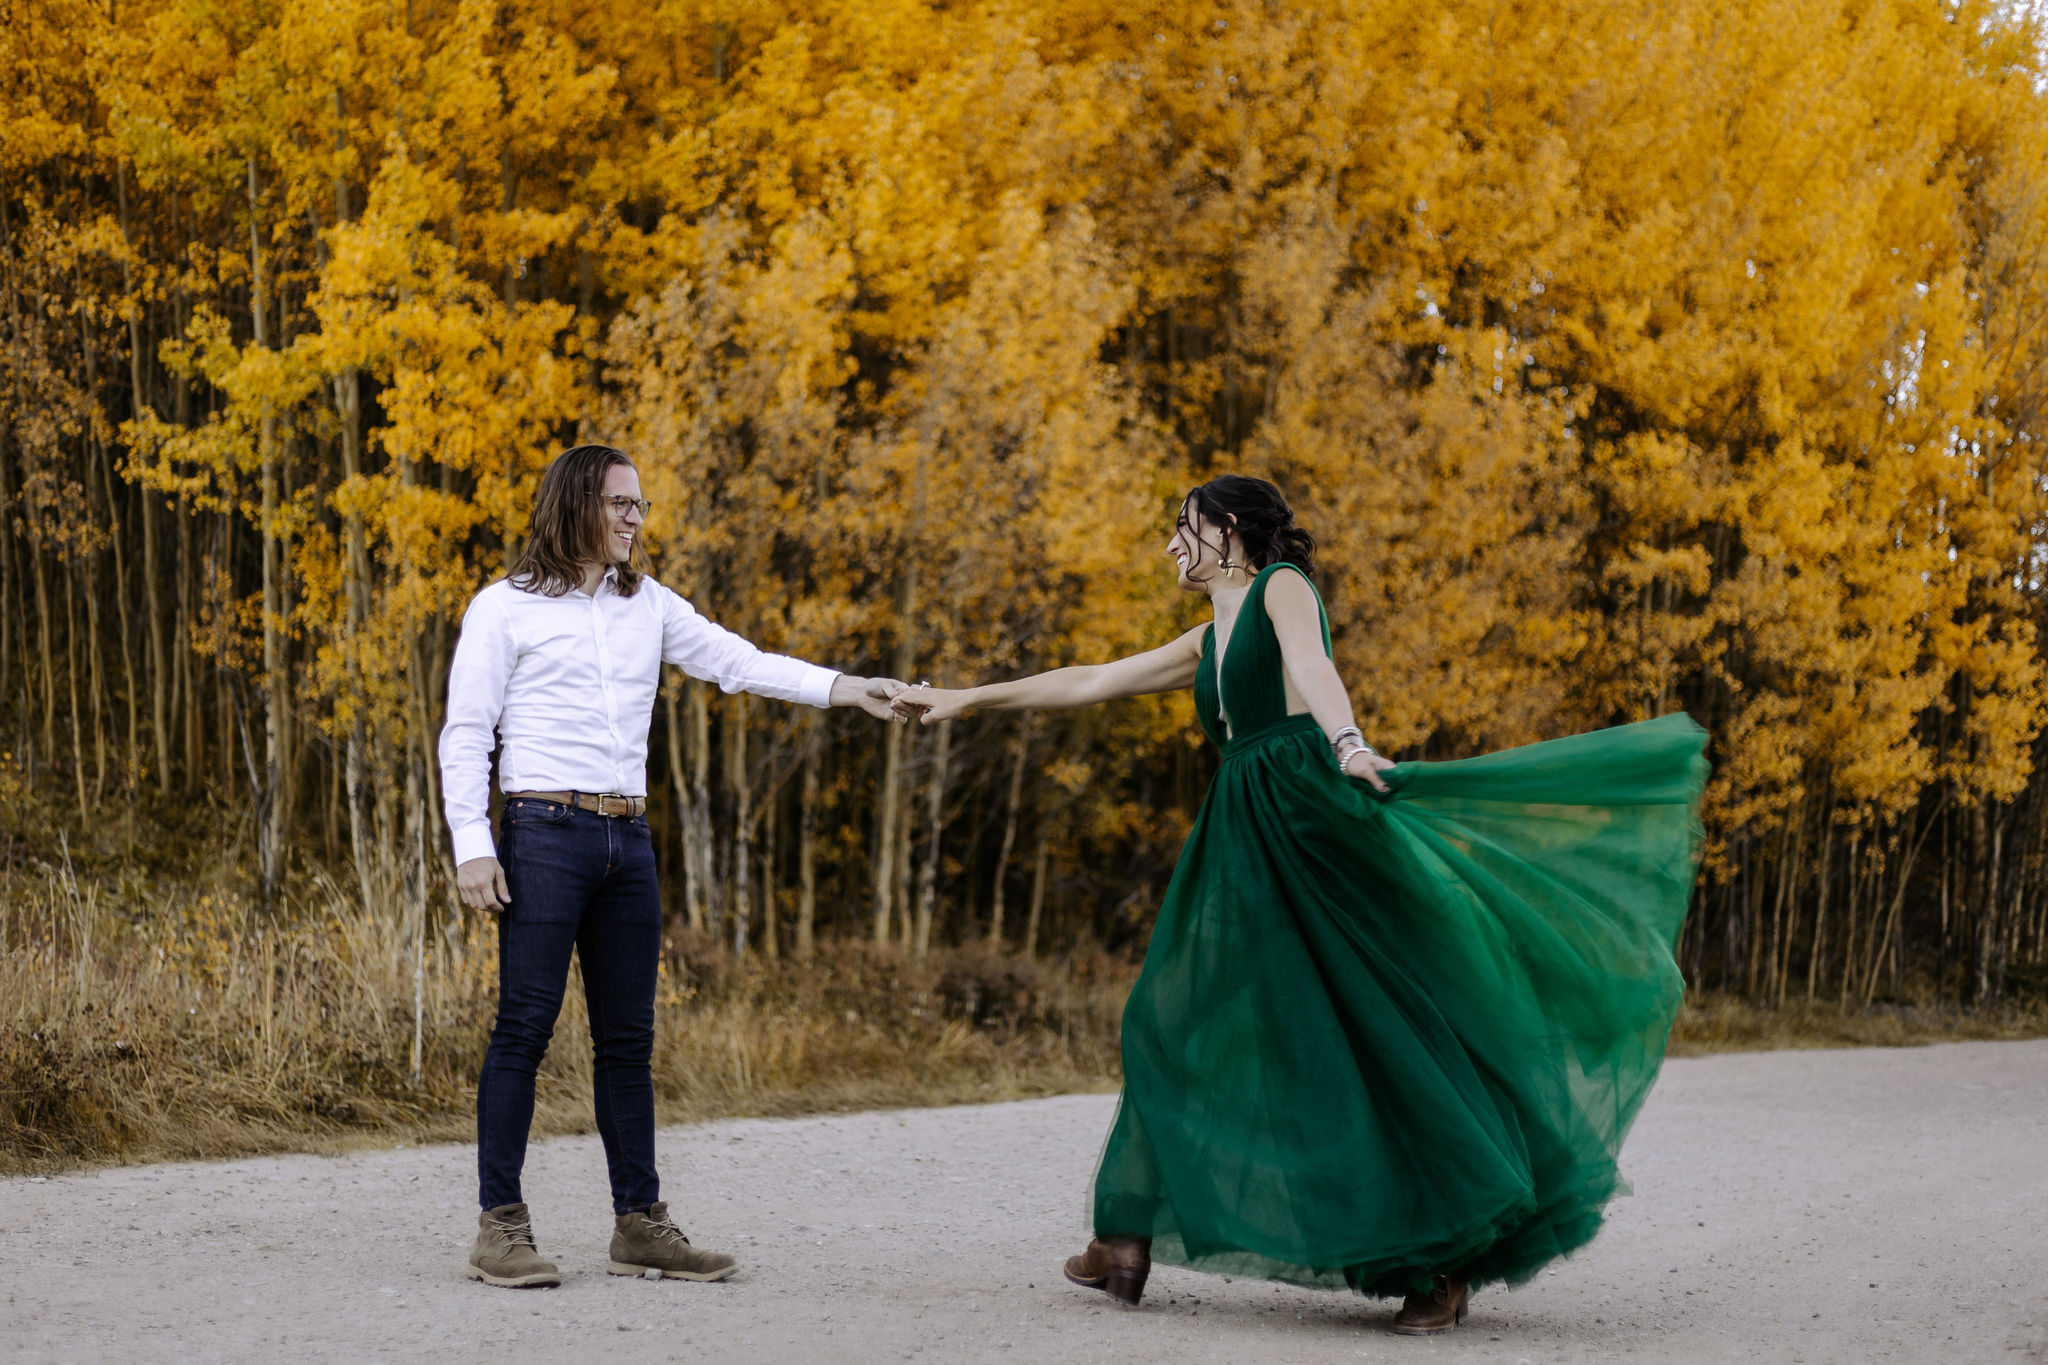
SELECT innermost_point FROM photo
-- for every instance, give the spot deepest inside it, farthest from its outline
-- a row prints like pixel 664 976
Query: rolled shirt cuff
pixel 816 687
pixel 474 841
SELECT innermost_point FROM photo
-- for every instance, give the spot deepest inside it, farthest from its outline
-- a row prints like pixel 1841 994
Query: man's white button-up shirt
pixel 566 685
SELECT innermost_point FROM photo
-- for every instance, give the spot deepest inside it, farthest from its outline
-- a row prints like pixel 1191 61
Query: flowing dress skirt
pixel 1377 1036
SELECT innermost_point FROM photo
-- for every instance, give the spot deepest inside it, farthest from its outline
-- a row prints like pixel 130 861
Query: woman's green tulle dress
pixel 1381 1036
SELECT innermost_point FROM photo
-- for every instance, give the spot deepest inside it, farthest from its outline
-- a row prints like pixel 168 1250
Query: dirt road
pixel 1798 1206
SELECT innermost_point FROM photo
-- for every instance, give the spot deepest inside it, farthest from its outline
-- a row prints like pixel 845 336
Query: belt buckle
pixel 604 805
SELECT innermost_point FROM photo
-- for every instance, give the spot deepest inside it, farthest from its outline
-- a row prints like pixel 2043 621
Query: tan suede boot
pixel 504 1253
pixel 649 1241
pixel 1427 1315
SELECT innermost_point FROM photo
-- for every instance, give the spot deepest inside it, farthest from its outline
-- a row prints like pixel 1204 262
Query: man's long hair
pixel 568 530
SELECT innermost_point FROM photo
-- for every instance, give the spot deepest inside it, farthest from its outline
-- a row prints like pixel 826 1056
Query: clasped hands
pixel 931 704
pixel 872 695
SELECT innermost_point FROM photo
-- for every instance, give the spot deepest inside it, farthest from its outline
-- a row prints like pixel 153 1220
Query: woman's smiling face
pixel 1194 545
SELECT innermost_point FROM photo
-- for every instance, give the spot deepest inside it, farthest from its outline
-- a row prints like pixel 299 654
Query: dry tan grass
pixel 182 1024
pixel 1723 1023
pixel 163 1020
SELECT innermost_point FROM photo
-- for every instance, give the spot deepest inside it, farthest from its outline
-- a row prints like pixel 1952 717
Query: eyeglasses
pixel 622 505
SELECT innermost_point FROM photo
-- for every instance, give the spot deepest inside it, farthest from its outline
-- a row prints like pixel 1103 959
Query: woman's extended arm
pixel 1298 626
pixel 1166 669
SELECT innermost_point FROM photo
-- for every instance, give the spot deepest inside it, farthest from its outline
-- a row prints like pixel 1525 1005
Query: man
pixel 557 666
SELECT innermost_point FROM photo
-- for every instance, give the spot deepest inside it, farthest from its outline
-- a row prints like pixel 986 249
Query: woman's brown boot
pixel 1441 1309
pixel 1118 1267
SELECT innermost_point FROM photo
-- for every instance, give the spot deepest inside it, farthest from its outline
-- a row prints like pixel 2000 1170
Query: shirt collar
pixel 610 580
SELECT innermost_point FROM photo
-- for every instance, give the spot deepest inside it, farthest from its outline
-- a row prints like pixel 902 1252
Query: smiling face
pixel 1196 544
pixel 621 528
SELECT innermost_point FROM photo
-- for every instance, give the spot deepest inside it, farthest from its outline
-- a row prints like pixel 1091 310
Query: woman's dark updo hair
pixel 1264 522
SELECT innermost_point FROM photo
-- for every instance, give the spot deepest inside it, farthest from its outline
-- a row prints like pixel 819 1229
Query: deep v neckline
pixel 1219 645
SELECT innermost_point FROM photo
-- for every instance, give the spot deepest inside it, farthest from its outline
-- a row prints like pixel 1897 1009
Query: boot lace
pixel 515 1231
pixel 664 1229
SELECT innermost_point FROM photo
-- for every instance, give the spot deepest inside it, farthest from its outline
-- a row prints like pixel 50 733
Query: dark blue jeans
pixel 584 881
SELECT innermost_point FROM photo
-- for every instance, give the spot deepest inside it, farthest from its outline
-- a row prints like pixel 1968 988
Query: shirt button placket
pixel 604 677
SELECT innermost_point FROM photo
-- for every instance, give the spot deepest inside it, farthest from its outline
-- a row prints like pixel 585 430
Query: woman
pixel 1394 1019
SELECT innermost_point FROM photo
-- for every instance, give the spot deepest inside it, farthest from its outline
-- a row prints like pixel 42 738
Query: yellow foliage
pixel 1623 359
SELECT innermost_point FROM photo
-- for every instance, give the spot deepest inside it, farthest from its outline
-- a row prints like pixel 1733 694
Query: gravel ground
pixel 1795 1206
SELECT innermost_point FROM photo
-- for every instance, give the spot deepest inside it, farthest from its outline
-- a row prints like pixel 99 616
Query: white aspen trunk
pixel 159 698
pixel 334 819
pixel 1786 920
pixel 885 833
pixel 740 780
pixel 935 817
pixel 273 798
pixel 415 800
pixel 355 574
pixel 71 596
pixel 1852 897
pixel 138 401
pixel 1018 749
pixel 45 626
pixel 888 857
pixel 96 675
pixel 807 846
pixel 900 895
pixel 386 816
pixel 1987 903
pixel 430 675
pixel 95 688
pixel 1037 898
pixel 771 814
pixel 223 696
pixel 8 644
pixel 127 626
pixel 700 785
pixel 1820 909
pixel 348 406
pixel 352 784
pixel 686 813
pixel 190 702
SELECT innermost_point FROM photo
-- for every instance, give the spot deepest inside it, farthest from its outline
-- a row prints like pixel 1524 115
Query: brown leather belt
pixel 609 804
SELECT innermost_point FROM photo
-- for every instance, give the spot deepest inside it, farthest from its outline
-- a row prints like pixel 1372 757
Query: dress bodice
pixel 1252 684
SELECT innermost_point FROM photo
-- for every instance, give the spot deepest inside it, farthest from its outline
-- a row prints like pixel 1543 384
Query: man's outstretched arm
pixel 710 652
